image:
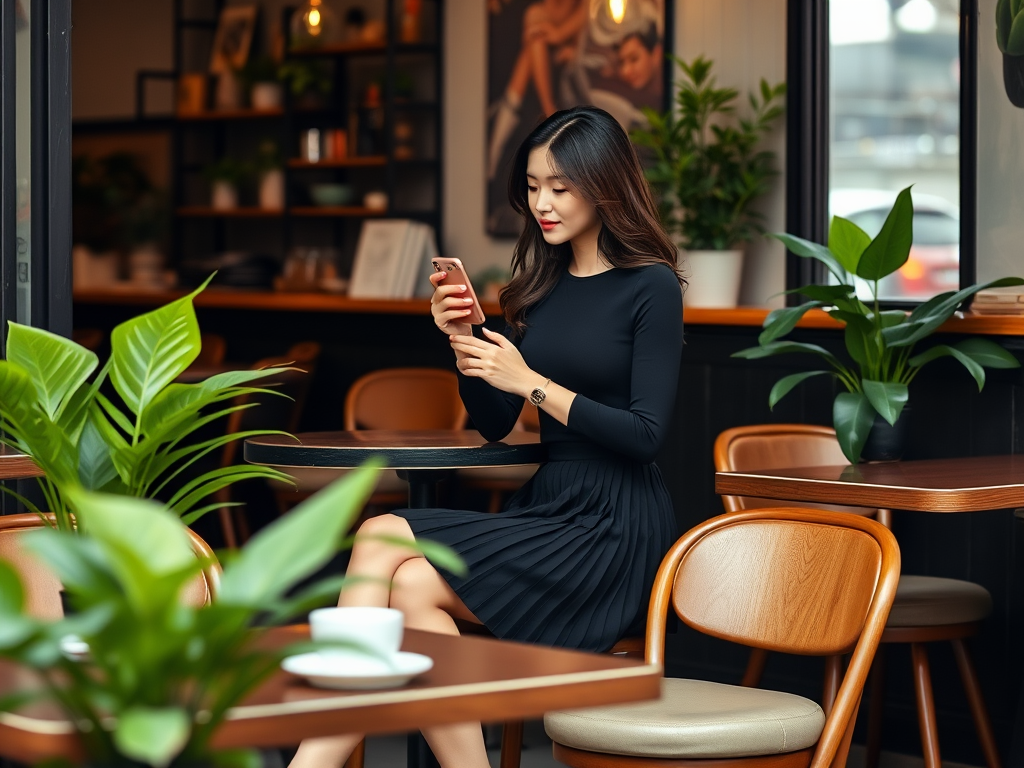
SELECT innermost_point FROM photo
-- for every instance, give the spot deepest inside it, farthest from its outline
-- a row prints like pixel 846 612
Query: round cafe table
pixel 423 457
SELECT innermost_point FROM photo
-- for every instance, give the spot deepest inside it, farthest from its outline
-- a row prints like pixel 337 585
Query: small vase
pixel 266 96
pixel 1013 79
pixel 887 442
pixel 272 190
pixel 223 196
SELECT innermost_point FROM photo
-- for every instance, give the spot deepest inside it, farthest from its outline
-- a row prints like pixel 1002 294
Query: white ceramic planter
pixel 266 95
pixel 272 190
pixel 223 196
pixel 713 278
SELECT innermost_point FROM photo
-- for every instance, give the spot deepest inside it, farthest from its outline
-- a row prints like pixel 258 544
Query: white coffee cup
pixel 376 631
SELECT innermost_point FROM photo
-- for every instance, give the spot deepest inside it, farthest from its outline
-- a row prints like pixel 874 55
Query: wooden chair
pixel 795 580
pixel 502 480
pixel 392 398
pixel 42 587
pixel 273 412
pixel 90 338
pixel 926 608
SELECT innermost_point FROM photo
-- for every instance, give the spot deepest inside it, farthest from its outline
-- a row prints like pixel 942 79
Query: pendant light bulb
pixel 617 10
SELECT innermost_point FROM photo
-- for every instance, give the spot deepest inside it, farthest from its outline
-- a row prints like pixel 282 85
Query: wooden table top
pixel 400 449
pixel 971 484
pixel 473 678
pixel 15 465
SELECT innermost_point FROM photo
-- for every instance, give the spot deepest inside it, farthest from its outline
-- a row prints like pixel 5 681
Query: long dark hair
pixel 587 148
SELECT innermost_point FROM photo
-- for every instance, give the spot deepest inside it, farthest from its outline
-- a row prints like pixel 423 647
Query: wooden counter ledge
pixel 222 298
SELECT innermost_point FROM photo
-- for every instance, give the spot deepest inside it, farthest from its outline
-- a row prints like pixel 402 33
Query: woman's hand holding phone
pixel 449 308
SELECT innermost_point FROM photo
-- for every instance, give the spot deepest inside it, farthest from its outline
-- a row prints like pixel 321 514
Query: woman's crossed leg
pixel 401 578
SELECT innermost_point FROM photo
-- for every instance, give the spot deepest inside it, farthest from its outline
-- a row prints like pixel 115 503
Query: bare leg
pixel 422 594
pixel 405 580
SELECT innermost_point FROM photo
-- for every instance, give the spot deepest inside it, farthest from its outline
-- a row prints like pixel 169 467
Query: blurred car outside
pixel 934 263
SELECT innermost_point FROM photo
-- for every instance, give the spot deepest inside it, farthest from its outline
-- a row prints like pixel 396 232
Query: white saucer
pixel 355 672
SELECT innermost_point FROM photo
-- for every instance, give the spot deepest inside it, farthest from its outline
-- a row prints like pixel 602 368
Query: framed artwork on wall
pixel 233 37
pixel 547 55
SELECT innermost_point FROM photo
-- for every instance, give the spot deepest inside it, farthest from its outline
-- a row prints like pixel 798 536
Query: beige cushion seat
pixel 694 719
pixel 925 601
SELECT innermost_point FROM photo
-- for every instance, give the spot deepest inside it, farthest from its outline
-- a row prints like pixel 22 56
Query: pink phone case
pixel 457 276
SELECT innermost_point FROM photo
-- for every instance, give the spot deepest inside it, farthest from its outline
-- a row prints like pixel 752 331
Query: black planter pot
pixel 887 442
pixel 1013 79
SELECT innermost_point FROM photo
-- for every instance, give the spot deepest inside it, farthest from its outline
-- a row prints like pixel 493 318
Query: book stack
pixel 392 260
pixel 999 301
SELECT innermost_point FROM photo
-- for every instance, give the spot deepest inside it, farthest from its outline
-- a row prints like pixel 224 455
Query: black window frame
pixel 807 138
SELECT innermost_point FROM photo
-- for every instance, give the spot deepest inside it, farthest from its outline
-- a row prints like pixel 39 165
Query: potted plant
pixel 140 446
pixel 261 78
pixel 159 676
pixel 144 234
pixel 270 173
pixel 880 343
pixel 708 170
pixel 224 176
pixel 308 80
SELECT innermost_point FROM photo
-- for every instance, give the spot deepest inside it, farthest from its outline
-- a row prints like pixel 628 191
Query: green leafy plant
pixel 160 675
pixel 707 167
pixel 227 169
pixel 268 157
pixel 880 343
pixel 1010 27
pixel 52 408
pixel 259 69
pixel 306 76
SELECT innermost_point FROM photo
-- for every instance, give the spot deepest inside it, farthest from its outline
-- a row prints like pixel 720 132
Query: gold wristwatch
pixel 538 394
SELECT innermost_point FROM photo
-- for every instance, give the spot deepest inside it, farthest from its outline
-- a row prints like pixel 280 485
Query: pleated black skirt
pixel 571 559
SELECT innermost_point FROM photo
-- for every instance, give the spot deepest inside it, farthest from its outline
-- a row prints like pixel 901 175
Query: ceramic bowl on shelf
pixel 330 194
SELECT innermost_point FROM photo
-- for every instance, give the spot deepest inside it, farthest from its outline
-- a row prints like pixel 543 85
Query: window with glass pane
pixel 895 121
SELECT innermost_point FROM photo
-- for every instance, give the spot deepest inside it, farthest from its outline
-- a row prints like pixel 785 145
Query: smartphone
pixel 457 276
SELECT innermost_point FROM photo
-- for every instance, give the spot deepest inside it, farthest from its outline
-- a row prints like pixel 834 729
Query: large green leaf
pixel 847 242
pixel 779 322
pixel 852 417
pixel 95 464
pixel 31 429
pixel 825 293
pixel 294 546
pixel 886 397
pixel 1004 21
pixel 152 350
pixel 858 334
pixel 783 348
pixel 58 366
pixel 987 353
pixel 890 248
pixel 808 250
pixel 12 594
pixel 152 735
pixel 934 312
pixel 784 385
pixel 944 350
pixel 139 526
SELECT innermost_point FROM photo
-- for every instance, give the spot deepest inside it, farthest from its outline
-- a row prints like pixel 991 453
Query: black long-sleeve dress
pixel 571 559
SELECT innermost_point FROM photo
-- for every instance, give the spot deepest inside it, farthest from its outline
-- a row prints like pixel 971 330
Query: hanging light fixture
pixel 617 10
pixel 312 24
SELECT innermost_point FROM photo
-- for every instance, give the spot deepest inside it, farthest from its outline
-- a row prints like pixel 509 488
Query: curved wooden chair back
pixel 405 398
pixel 796 580
pixel 213 350
pixel 779 446
pixel 42 587
pixel 90 338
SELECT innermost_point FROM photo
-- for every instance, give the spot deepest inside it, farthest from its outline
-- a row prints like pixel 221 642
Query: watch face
pixel 537 396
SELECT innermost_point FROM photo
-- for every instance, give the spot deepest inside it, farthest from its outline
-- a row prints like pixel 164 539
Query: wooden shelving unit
pixel 200 211
pixel 410 80
pixel 341 162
